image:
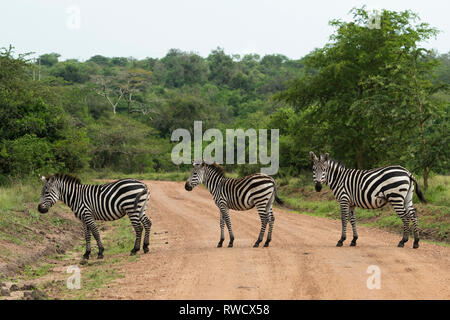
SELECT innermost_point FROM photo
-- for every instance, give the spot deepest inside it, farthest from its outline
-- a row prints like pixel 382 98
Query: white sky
pixel 150 28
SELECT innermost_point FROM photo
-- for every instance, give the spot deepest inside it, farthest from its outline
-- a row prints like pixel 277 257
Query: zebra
pixel 369 189
pixel 256 190
pixel 104 202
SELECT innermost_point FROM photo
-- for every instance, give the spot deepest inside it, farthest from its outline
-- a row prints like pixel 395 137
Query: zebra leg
pixel 269 234
pixel 87 237
pixel 137 225
pixel 405 218
pixel 344 217
pixel 400 208
pixel 413 216
pixel 93 227
pixel 222 227
pixel 264 219
pixel 230 231
pixel 147 226
pixel 353 223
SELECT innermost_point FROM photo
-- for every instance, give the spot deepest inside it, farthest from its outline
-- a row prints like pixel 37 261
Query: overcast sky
pixel 150 28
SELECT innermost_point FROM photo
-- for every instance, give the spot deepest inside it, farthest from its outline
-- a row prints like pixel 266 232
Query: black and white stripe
pixel 105 202
pixel 369 189
pixel 257 190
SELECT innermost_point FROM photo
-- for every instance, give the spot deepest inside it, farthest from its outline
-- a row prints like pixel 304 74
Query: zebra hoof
pixel 352 244
pixel 100 256
pixel 416 245
pixel 133 252
pixel 230 245
pixel 83 261
pixel 266 244
pixel 400 244
pixel 219 245
pixel 339 244
pixel 146 250
pixel 256 245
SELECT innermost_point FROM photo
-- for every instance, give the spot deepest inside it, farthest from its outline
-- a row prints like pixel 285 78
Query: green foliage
pixel 27 154
pixel 49 59
pixel 35 132
pixel 73 150
pixel 71 71
pixel 184 68
pixel 370 97
pixel 122 144
pixel 366 92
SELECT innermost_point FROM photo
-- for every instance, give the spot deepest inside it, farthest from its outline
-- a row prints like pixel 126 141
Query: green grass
pixel 107 174
pixel 121 241
pixel 96 274
pixel 32 272
pixel 92 176
pixel 92 279
pixel 14 196
pixel 438 192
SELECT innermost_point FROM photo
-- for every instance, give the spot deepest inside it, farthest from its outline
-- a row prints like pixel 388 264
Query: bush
pixel 29 154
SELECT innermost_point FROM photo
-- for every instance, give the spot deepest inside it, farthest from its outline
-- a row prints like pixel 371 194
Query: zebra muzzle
pixel 318 186
pixel 188 187
pixel 41 209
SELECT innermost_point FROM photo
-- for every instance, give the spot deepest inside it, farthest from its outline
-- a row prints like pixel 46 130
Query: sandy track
pixel 302 261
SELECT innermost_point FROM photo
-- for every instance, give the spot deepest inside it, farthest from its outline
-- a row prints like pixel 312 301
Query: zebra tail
pixel 418 191
pixel 278 200
pixel 138 197
pixel 276 196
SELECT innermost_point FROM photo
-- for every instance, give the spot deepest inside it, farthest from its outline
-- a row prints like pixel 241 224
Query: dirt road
pixel 302 261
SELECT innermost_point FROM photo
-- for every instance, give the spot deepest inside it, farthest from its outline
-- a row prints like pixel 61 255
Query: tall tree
pixel 341 87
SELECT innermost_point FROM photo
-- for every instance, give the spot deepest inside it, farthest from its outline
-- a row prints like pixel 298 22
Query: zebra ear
pixel 326 156
pixel 312 156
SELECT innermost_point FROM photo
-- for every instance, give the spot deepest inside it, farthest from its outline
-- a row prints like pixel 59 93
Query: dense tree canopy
pixel 369 97
pixel 369 90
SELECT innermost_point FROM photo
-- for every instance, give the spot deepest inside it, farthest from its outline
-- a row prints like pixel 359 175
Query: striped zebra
pixel 369 189
pixel 104 202
pixel 257 190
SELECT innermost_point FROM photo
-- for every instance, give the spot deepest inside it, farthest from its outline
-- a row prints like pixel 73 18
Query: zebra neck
pixel 70 193
pixel 212 180
pixel 335 175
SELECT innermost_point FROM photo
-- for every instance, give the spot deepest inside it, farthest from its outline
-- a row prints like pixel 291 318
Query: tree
pixel 35 133
pixel 121 143
pixel 443 70
pixel 345 79
pixel 101 60
pixel 184 68
pixel 123 85
pixel 49 59
pixel 221 67
pixel 71 71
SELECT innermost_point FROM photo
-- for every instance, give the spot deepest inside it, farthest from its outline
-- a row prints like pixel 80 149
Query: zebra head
pixel 196 176
pixel 320 168
pixel 49 195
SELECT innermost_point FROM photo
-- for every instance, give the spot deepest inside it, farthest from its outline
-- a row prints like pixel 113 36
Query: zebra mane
pixel 339 164
pixel 217 168
pixel 66 177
